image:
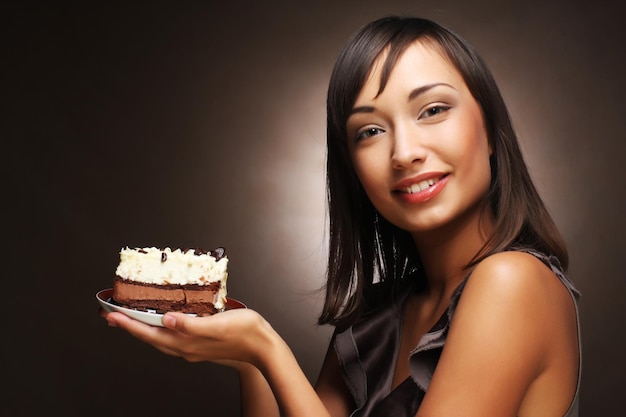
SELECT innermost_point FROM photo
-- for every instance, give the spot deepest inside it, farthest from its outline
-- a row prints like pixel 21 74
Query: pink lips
pixel 426 193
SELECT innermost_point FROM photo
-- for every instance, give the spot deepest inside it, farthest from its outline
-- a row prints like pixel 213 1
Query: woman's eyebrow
pixel 421 90
pixel 361 109
pixel 412 96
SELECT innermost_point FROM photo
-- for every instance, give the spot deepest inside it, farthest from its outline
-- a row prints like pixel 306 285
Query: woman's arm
pixel 244 340
pixel 257 398
pixel 512 347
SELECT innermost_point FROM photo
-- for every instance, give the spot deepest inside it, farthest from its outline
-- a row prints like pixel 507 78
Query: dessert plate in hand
pixel 150 317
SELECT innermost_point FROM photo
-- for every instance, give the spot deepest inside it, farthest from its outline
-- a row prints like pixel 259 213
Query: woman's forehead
pixel 421 61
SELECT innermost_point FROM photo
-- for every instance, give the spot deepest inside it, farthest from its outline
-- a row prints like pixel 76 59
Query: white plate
pixel 150 317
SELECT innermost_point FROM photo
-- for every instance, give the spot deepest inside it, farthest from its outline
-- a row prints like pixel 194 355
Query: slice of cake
pixel 189 281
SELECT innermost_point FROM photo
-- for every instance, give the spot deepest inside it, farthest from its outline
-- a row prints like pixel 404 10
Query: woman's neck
pixel 446 251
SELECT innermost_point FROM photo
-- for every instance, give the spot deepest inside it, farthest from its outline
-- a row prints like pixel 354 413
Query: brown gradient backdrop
pixel 201 125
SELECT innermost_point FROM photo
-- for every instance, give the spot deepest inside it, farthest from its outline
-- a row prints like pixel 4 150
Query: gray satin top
pixel 367 351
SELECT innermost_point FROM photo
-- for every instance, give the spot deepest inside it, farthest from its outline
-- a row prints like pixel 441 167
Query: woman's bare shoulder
pixel 517 283
pixel 502 337
pixel 514 274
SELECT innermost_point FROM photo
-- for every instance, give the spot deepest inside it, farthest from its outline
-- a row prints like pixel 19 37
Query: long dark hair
pixel 365 248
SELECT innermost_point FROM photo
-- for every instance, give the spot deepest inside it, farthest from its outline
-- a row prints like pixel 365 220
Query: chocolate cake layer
pixel 195 299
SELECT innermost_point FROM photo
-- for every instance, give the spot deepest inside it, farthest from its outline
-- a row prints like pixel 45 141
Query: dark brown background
pixel 161 124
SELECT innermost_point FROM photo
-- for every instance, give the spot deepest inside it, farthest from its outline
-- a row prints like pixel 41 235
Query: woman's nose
pixel 408 148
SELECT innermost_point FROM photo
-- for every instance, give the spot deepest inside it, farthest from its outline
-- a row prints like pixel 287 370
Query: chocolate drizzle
pixel 217 253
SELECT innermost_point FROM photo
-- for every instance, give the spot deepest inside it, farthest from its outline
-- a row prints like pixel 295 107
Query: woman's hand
pixel 227 338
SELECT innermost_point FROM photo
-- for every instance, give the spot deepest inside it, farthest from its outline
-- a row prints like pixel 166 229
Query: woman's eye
pixel 368 133
pixel 434 111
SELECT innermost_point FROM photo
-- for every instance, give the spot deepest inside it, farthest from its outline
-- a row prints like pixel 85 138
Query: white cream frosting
pixel 165 266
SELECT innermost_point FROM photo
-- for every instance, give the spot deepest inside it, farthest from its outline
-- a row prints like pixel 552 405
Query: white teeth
pixel 420 186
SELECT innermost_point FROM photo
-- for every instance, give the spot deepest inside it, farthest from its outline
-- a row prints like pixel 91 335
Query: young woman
pixel 446 273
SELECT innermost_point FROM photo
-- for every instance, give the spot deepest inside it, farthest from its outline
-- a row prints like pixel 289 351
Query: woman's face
pixel 420 148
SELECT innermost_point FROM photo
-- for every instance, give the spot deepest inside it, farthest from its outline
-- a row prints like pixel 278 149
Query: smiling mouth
pixel 422 185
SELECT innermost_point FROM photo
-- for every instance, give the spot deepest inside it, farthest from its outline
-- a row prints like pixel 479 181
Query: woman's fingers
pixel 230 335
pixel 142 331
pixel 228 326
pixel 169 341
pixel 234 335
